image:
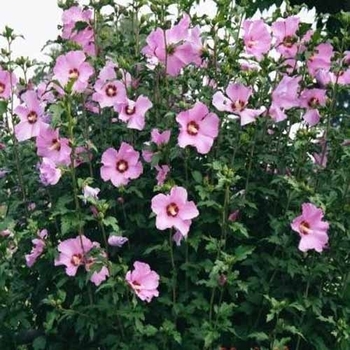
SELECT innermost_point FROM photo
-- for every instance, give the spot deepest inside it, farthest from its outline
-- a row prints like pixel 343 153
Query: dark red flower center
pixel 313 102
pixel 136 285
pixel 32 117
pixel 122 166
pixel 170 49
pixel 2 87
pixel 251 43
pixel 238 105
pixel 130 110
pixel 76 259
pixel 111 90
pixel 192 128
pixel 56 145
pixel 304 228
pixel 172 209
pixel 73 74
pixel 289 41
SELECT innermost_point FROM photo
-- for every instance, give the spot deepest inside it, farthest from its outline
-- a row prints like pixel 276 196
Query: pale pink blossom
pixel 7 83
pixel 311 99
pixel 117 241
pixel 84 36
pixel 178 238
pixel 49 173
pixel 90 192
pixel 39 245
pixel 74 252
pixel 174 210
pixel 174 48
pixel 143 281
pixel 147 155
pixel 31 116
pixel 160 138
pixel 311 228
pixel 163 171
pixel 284 30
pixel 320 59
pixel 99 276
pixel 256 38
pixel 50 145
pixel 237 102
pixel 72 68
pixel 121 166
pixel 284 97
pixel 198 128
pixel 133 112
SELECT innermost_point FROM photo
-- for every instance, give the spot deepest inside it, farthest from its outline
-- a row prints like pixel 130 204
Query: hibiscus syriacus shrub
pixel 177 178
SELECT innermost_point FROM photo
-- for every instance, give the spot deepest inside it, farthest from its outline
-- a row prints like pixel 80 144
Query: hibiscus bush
pixel 177 177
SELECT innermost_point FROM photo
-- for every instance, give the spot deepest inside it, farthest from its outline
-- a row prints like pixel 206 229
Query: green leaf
pixel 3 107
pixel 39 343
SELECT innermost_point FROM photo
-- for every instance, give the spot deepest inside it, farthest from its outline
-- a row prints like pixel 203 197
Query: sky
pixel 36 20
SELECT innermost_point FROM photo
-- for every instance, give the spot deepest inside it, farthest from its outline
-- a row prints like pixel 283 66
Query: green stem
pixel 174 272
pixel 250 161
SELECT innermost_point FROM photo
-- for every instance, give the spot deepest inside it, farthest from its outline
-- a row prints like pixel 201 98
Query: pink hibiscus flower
pixel 174 210
pixel 198 128
pixel 143 281
pixel 311 228
pixel 39 245
pixel 134 113
pixel 175 48
pixel 50 145
pixel 121 166
pixel 74 252
pixel 321 59
pixel 311 99
pixel 284 31
pixel 31 115
pixel 109 92
pixel 160 138
pixel 236 102
pixel 284 97
pixel 72 67
pixel 49 174
pixel 257 38
pixel 83 37
pixel 6 80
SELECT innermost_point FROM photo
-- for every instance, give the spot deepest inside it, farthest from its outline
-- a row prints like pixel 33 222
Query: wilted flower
pixel 117 241
pixel 163 171
pixel 39 245
pixel 90 192
pixel 160 138
pixel 49 174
